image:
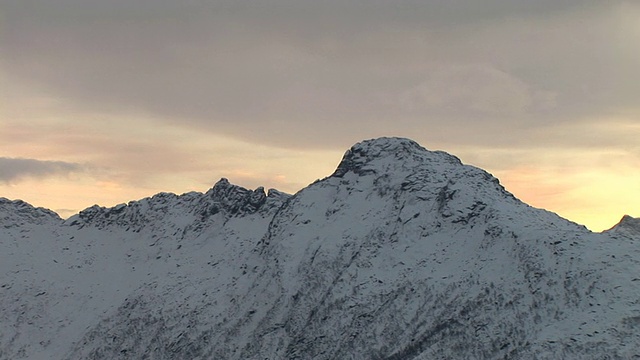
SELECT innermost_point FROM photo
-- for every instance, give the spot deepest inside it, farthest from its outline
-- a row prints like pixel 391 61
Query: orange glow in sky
pixel 103 102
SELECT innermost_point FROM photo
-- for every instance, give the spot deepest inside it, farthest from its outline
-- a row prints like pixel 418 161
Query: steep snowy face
pixel 61 283
pixel 453 193
pixel 389 185
pixel 405 253
pixel 17 213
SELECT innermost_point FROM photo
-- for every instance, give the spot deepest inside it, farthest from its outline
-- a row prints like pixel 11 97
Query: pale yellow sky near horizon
pixel 104 102
pixel 593 187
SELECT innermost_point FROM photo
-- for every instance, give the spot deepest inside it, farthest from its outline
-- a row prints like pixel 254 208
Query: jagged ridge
pixel 225 198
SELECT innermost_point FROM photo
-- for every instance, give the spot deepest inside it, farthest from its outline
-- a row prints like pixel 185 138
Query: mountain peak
pixel 236 199
pixel 628 225
pixel 17 213
pixel 387 149
pixel 225 197
pixel 404 253
pixel 395 144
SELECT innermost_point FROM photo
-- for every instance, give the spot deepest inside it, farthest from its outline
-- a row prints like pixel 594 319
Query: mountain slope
pixel 61 279
pixel 402 253
pixel 628 226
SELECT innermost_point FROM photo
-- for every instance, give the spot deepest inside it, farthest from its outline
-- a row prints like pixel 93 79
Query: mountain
pixel 401 253
pixel 17 213
pixel 628 226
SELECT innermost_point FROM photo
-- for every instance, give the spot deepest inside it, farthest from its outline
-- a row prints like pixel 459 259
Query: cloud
pixel 159 92
pixel 303 74
pixel 14 169
pixel 451 90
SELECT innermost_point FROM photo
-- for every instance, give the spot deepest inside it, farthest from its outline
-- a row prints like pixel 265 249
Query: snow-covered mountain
pixel 628 226
pixel 402 253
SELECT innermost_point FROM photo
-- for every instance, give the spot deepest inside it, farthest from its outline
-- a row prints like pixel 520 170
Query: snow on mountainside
pixel 628 226
pixel 402 253
pixel 18 213
pixel 59 280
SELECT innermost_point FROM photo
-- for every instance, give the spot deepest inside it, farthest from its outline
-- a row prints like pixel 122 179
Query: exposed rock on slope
pixel 18 213
pixel 402 253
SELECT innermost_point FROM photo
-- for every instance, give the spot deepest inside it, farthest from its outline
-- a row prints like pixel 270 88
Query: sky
pixel 103 102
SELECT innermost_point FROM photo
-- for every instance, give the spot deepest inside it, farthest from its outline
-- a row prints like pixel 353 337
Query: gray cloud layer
pixel 326 73
pixel 13 169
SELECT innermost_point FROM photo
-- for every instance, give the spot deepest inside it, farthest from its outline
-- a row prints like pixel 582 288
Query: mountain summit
pixel 628 226
pixel 385 152
pixel 401 253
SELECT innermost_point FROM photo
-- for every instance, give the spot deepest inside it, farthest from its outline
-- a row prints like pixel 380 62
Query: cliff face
pixel 402 253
